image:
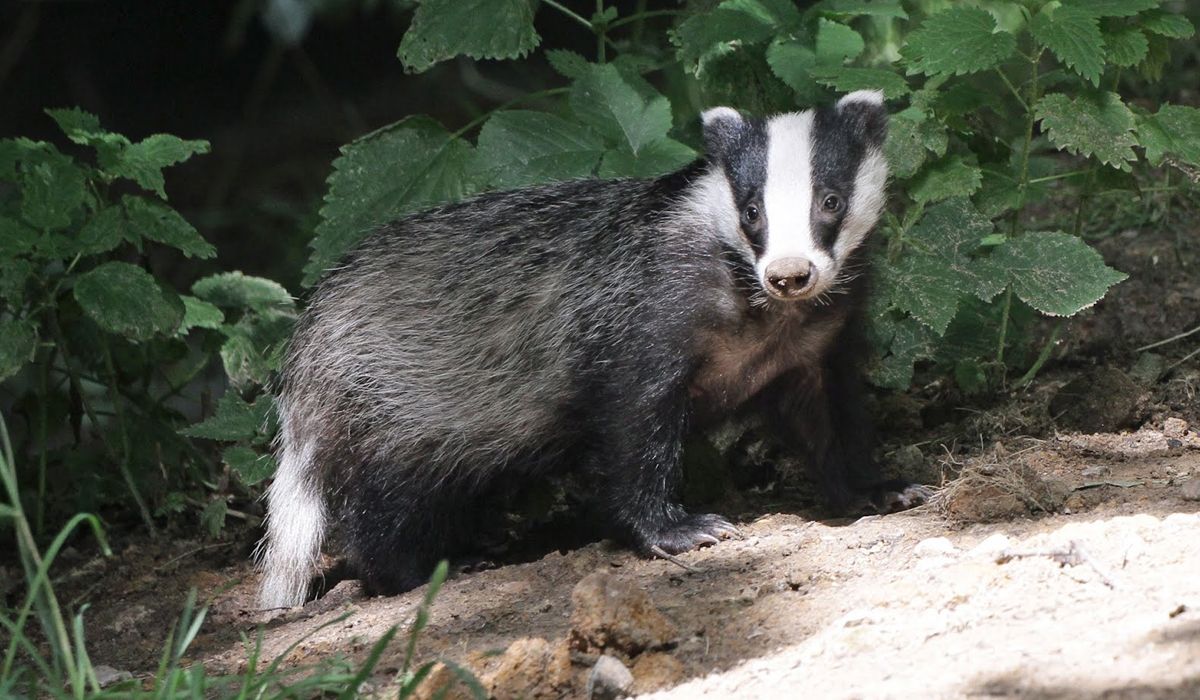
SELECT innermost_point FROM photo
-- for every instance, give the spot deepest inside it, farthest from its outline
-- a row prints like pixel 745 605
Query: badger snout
pixel 790 278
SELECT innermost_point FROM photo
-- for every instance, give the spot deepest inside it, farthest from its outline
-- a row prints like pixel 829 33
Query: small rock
pixel 1095 471
pixel 609 679
pixel 107 675
pixel 442 683
pixel 656 671
pixel 130 618
pixel 610 614
pixel 935 547
pixel 1148 368
pixel 531 668
pixel 1190 489
pixel 1175 427
pixel 1104 400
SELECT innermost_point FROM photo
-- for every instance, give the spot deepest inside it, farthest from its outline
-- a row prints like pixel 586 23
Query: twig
pixel 1165 341
pixel 1071 555
pixel 662 554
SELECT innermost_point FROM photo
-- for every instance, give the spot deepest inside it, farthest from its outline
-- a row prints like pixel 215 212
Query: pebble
pixel 935 547
pixel 1175 427
pixel 609 679
pixel 991 546
pixel 1191 489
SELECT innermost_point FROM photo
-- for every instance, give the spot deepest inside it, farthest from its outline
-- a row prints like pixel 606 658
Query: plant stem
pixel 601 33
pixel 580 19
pixel 1004 325
pixel 640 15
pixel 118 406
pixel 1165 341
pixel 43 381
pixel 1023 182
pixel 1013 89
pixel 1059 176
pixel 516 100
pixel 1044 355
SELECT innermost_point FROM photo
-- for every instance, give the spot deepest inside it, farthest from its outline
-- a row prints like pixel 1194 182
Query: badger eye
pixel 751 214
pixel 832 203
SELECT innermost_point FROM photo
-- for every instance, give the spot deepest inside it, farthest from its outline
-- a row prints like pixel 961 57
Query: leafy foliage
pixel 95 347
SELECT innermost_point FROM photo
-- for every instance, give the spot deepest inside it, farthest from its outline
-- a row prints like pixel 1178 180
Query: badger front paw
pixel 897 495
pixel 687 533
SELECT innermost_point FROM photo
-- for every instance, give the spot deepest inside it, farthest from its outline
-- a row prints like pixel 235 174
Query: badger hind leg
pixel 397 528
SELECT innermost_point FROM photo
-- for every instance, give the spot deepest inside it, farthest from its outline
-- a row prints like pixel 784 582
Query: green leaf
pixel 103 232
pixel 568 64
pixel 911 136
pixel 233 420
pixel 1126 46
pixel 603 100
pixel 127 300
pixel 1074 37
pixel 76 124
pixel 910 343
pixel 198 313
pixel 1111 8
pixel 254 347
pixel 14 278
pixel 212 518
pixel 848 9
pixel 1054 272
pixel 662 156
pixel 952 177
pixel 843 79
pixel 235 290
pixel 519 148
pixel 836 43
pixel 957 41
pixel 53 187
pixel 158 222
pixel 1174 130
pixel 18 341
pixel 937 270
pixel 1097 125
pixel 745 78
pixel 793 63
pixel 1167 24
pixel 442 29
pixel 740 21
pixel 143 162
pixel 251 467
pixel 409 165
pixel 15 237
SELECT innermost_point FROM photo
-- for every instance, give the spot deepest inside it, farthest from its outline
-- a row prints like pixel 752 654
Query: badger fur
pixel 585 325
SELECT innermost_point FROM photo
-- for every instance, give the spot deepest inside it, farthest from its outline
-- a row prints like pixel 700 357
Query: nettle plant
pixel 999 107
pixel 100 360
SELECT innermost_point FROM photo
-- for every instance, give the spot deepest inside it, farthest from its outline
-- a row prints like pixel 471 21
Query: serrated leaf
pixel 568 64
pixel 401 168
pixel 18 341
pixel 75 123
pixel 236 290
pixel 836 43
pixel 158 222
pixel 251 467
pixel 14 278
pixel 127 300
pixel 847 9
pixel 53 188
pixel 15 237
pixel 957 41
pixel 793 63
pixel 103 232
pixel 1174 130
pixel 244 363
pixel 1091 125
pixel 1111 8
pixel 662 156
pixel 1073 35
pixel 604 100
pixel 911 137
pixel 1054 272
pixel 851 79
pixel 911 342
pixel 519 148
pixel 937 269
pixel 741 21
pixel 1167 24
pixel 233 420
pixel 746 79
pixel 952 177
pixel 442 29
pixel 1126 46
pixel 143 162
pixel 198 313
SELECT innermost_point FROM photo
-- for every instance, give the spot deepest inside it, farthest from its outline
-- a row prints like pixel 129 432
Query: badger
pixel 586 325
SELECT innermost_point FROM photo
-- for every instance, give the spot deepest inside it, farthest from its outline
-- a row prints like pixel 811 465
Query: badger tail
pixel 289 554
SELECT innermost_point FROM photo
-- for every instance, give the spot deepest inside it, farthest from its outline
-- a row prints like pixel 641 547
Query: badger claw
pixel 688 533
pixel 895 496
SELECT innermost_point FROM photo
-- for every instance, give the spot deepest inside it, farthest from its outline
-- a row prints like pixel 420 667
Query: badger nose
pixel 789 278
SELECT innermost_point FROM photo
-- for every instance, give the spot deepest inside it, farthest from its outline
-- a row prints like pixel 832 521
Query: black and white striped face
pixel 806 187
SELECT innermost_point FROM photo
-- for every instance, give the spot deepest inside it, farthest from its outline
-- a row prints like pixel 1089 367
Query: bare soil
pixel 1055 562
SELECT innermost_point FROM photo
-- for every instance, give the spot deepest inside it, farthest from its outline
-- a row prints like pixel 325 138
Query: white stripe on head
pixel 870 184
pixel 787 195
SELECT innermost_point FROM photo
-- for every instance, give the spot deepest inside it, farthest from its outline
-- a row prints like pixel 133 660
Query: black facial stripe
pixel 837 153
pixel 745 162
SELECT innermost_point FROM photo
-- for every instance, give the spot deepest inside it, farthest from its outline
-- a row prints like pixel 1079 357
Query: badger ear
pixel 864 113
pixel 722 128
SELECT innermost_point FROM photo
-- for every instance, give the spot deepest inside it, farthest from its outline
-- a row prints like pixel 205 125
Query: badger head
pixel 805 190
